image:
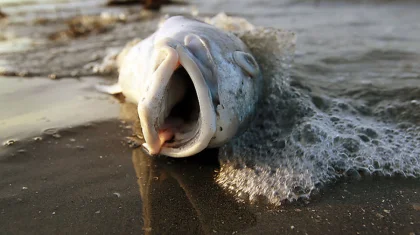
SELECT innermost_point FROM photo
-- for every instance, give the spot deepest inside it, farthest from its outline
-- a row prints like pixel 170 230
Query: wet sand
pixel 44 105
pixel 82 175
pixel 89 181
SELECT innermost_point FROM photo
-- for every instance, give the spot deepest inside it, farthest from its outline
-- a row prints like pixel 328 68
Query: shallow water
pixel 34 105
pixel 80 176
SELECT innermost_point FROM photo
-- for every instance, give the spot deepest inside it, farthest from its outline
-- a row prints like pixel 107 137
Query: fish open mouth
pixel 177 115
pixel 182 121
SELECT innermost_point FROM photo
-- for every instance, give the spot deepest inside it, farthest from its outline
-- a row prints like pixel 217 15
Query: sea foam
pixel 301 141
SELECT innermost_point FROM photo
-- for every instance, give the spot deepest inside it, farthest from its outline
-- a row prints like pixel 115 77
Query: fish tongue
pixel 165 135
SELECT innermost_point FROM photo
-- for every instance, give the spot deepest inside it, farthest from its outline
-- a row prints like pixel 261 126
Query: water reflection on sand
pixel 181 194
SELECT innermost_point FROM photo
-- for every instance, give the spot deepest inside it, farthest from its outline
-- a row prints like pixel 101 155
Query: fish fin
pixel 111 89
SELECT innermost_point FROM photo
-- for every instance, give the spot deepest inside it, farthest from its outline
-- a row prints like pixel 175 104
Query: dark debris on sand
pixel 85 25
pixel 147 4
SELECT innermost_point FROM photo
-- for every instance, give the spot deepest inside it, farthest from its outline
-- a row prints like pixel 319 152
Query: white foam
pixel 295 145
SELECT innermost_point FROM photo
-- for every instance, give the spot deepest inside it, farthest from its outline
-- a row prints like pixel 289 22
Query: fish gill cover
pixel 299 141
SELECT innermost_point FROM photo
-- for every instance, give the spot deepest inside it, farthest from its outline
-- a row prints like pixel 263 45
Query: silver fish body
pixel 196 86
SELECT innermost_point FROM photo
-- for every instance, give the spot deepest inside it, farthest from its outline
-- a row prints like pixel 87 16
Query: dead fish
pixel 196 87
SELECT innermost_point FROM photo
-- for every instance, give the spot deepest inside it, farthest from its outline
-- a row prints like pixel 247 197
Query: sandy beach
pixel 69 162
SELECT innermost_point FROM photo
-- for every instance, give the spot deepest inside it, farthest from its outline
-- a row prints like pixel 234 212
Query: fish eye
pixel 247 62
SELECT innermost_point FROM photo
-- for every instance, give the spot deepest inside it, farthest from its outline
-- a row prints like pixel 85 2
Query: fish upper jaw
pixel 163 132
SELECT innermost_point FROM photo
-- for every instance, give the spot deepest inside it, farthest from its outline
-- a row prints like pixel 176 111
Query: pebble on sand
pixel 416 206
pixel 2 15
pixel 9 142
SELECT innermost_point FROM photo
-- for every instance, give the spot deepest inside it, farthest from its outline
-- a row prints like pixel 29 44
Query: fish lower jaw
pixel 178 141
pixel 185 110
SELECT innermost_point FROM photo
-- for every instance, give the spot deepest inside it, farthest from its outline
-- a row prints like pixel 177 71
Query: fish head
pixel 240 86
pixel 192 99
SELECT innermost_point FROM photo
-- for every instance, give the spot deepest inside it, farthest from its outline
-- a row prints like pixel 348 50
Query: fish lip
pixel 207 120
pixel 151 101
